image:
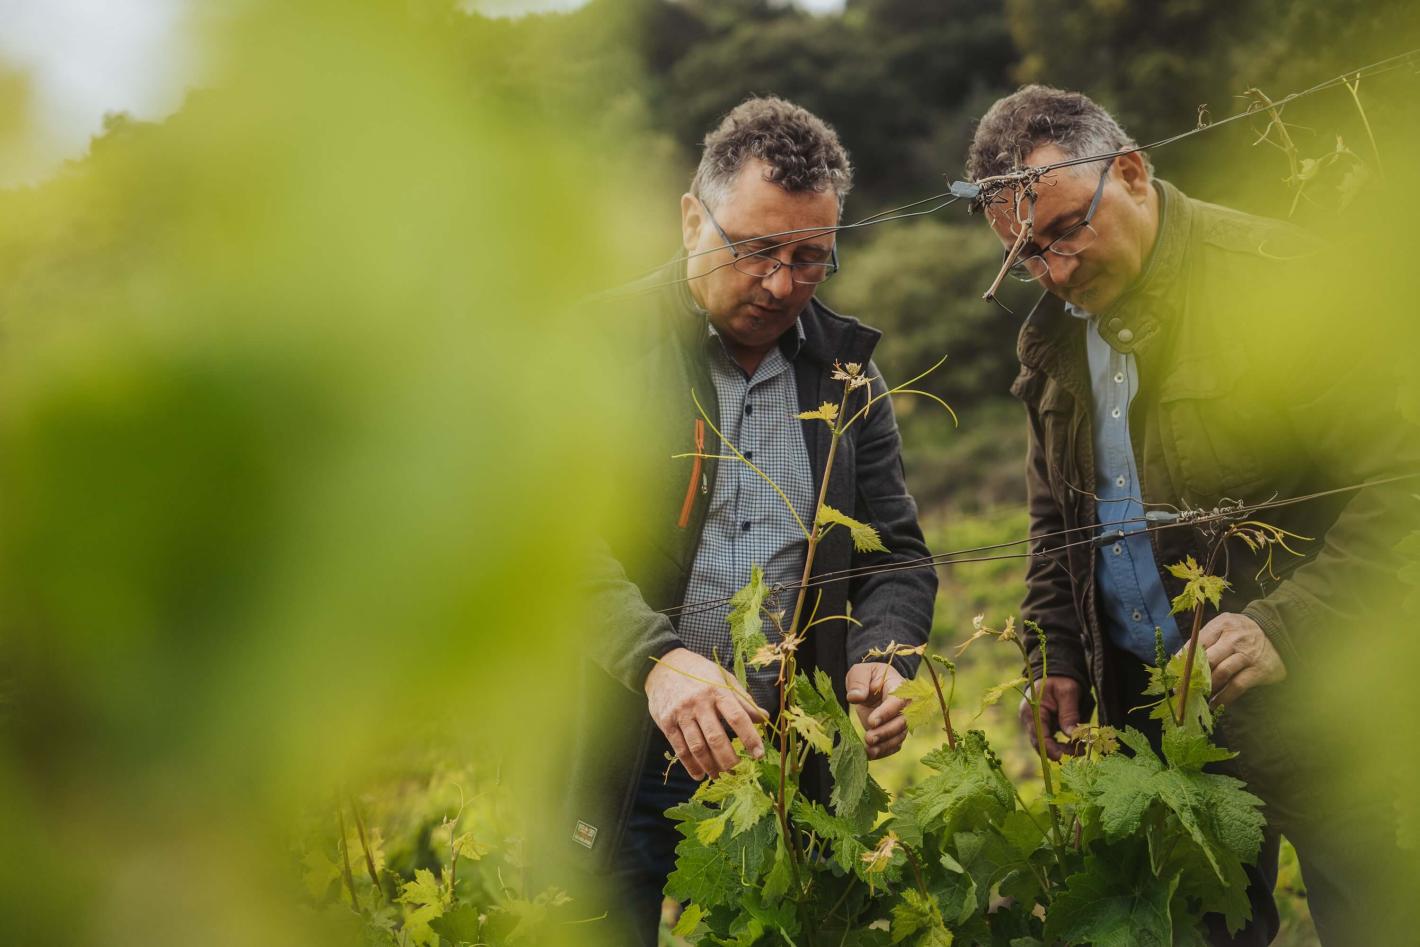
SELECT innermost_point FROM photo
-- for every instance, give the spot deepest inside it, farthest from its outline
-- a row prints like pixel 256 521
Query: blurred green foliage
pixel 298 444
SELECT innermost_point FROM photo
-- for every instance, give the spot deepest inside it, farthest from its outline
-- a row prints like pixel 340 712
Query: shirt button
pixel 1118 549
pixel 1119 378
pixel 1114 324
pixel 1121 480
pixel 749 409
pixel 1137 615
pixel 1126 336
pixel 744 527
pixel 1114 413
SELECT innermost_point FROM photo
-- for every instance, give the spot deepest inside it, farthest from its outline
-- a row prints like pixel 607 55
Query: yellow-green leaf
pixel 827 413
pixel 865 537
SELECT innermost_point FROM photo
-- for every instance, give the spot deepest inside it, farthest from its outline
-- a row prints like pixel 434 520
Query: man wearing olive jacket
pixel 1167 368
pixel 734 320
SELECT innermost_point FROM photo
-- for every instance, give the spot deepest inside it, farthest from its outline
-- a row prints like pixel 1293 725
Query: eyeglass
pixel 762 267
pixel 1033 265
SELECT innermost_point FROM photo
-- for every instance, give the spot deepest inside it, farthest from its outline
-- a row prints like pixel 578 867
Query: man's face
pixel 1125 223
pixel 751 313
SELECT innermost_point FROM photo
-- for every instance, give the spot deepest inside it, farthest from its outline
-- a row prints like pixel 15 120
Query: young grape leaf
pixel 689 920
pixel 917 915
pixel 826 412
pixel 1197 715
pixel 865 537
pixel 812 729
pixel 747 620
pixel 845 849
pixel 1199 586
pixel 740 796
pixel 965 784
pixel 993 695
pixel 924 709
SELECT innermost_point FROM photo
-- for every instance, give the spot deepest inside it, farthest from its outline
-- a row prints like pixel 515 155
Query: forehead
pixel 757 206
pixel 1061 191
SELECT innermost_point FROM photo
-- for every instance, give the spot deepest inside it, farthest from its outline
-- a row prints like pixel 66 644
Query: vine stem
pixel 941 699
pixel 787 667
pixel 345 858
pixel 1056 840
pixel 1193 635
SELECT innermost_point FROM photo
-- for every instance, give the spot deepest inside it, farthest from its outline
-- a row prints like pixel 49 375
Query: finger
pixel 698 748
pixel 856 683
pixel 682 752
pixel 756 712
pixel 890 708
pixel 734 713
pixel 1056 750
pixel 1211 632
pixel 1069 716
pixel 1225 669
pixel 717 740
pixel 877 682
pixel 894 727
pixel 1241 683
pixel 888 748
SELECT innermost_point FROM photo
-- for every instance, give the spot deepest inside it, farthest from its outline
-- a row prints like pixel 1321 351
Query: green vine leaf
pixel 1198 586
pixel 865 537
pixel 1111 905
pixel 747 622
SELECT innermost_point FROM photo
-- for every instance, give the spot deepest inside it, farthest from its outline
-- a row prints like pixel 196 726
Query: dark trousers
pixel 1344 845
pixel 646 856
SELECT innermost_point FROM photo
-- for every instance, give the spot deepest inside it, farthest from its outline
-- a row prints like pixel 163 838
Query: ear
pixel 1131 172
pixel 692 218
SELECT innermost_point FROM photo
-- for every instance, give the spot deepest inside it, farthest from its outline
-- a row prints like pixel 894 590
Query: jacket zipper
pixel 696 477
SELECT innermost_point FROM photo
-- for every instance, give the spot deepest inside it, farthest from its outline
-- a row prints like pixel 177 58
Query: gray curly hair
pixel 801 149
pixel 1036 115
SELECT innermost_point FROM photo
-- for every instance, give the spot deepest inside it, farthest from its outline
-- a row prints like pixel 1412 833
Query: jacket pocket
pixel 1209 432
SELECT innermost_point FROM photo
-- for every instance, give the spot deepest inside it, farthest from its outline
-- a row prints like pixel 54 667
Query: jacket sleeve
pixel 1352 437
pixel 893 605
pixel 628 633
pixel 1049 599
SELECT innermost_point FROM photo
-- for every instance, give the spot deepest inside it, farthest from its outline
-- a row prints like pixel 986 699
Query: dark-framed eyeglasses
pixel 1032 265
pixel 762 266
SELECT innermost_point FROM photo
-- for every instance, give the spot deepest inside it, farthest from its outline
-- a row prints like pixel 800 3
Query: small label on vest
pixel 585 835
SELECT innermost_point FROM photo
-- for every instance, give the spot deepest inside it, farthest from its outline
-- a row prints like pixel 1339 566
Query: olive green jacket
pixel 1257 381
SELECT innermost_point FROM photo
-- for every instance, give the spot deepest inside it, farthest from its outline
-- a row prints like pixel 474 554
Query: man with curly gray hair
pixel 735 319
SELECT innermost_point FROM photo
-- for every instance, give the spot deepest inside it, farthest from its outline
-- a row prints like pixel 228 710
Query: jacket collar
pixel 1141 315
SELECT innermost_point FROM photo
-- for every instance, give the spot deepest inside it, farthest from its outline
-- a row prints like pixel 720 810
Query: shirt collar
pixel 790 343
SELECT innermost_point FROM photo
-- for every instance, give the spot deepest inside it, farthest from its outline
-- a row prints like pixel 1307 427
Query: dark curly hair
pixel 802 151
pixel 1036 115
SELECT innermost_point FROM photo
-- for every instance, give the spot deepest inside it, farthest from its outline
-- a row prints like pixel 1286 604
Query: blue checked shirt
pixel 1132 595
pixel 747 523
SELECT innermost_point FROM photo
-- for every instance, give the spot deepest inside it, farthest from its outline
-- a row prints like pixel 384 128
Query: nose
pixel 1061 267
pixel 779 283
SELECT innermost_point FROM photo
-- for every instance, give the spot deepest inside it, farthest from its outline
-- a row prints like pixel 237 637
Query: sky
pixel 84 58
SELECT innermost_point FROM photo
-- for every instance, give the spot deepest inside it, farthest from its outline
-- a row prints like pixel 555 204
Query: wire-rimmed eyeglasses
pixel 1031 264
pixel 761 266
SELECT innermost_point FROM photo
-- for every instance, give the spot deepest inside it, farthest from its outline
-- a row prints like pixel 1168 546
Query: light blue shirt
pixel 1133 601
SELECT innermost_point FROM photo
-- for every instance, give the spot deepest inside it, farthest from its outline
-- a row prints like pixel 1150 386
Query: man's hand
pixel 1240 655
pixel 691 698
pixel 870 686
pixel 1059 712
